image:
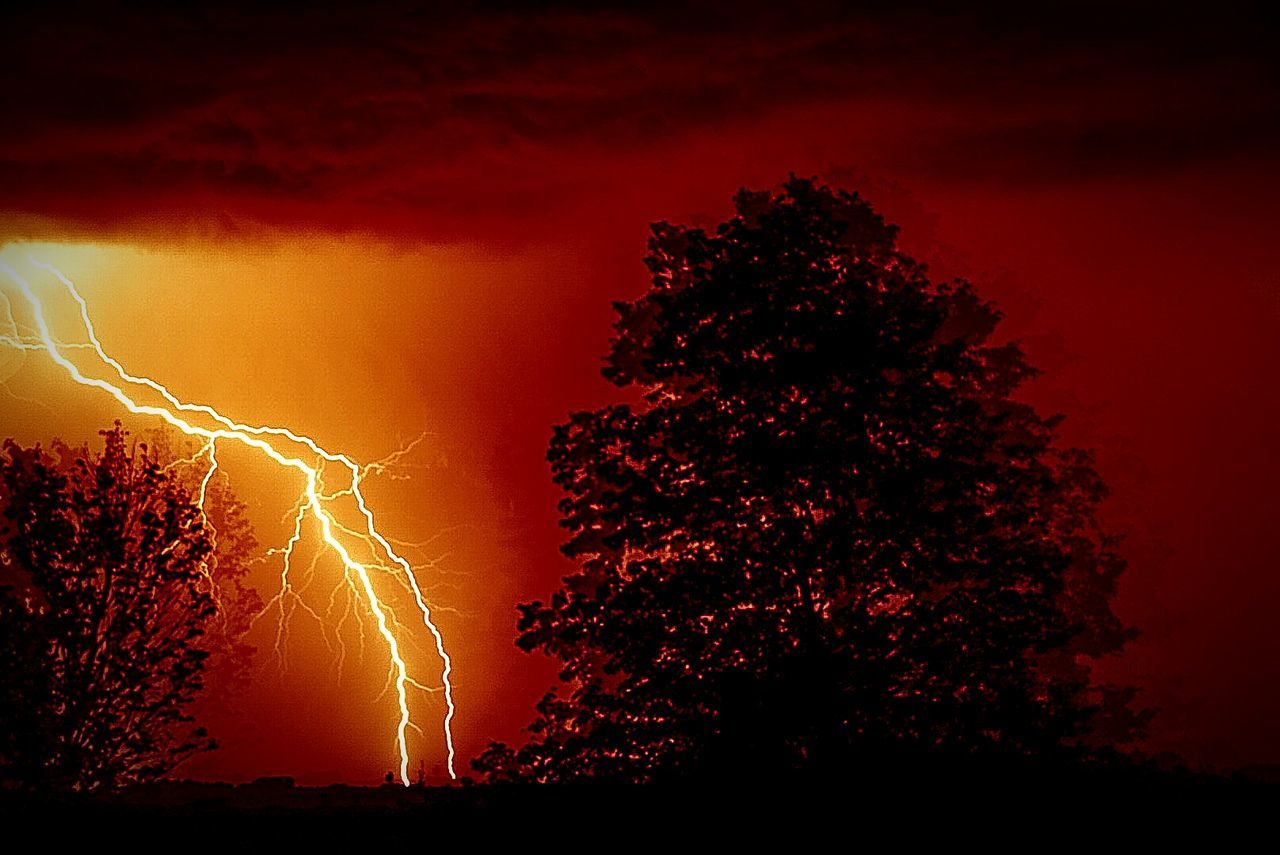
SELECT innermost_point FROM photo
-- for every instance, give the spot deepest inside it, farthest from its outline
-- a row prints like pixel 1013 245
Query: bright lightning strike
pixel 313 501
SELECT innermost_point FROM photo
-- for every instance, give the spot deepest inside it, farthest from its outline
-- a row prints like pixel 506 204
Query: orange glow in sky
pixel 323 632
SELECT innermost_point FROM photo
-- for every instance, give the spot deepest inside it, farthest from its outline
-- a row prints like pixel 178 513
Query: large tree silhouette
pixel 823 527
pixel 107 597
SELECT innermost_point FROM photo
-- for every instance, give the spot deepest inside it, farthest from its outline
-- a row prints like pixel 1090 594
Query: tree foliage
pixel 823 526
pixel 235 549
pixel 106 602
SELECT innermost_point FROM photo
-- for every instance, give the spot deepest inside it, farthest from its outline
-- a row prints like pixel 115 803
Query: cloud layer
pixel 396 119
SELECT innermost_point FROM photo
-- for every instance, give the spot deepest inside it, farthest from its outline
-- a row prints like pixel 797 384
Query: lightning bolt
pixel 312 502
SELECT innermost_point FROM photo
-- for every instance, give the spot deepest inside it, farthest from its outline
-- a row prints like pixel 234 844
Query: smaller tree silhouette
pixel 229 666
pixel 103 612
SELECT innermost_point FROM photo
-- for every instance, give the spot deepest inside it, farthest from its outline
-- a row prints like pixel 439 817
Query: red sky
pixel 1109 179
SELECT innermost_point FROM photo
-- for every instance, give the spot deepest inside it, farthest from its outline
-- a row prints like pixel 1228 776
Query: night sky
pixel 1109 179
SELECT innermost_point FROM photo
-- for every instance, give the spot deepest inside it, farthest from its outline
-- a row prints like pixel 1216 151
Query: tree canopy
pixel 819 524
pixel 235 549
pixel 107 595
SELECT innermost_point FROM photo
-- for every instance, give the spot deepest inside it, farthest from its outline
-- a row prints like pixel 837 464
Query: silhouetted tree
pixel 825 526
pixel 107 596
pixel 235 548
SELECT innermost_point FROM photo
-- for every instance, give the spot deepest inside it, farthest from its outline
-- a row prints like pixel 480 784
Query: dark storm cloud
pixel 383 116
pixel 1056 150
